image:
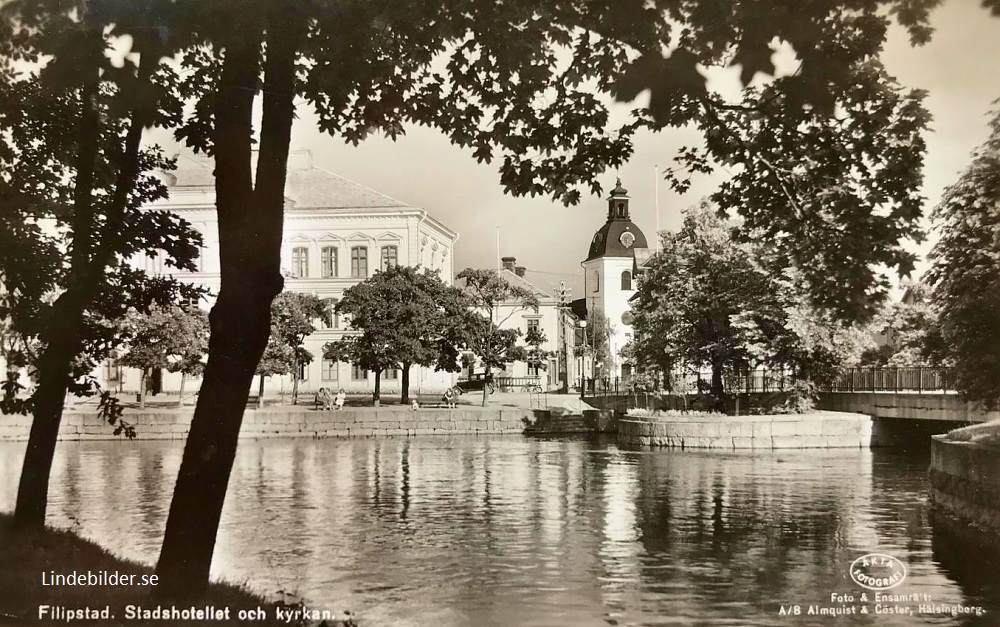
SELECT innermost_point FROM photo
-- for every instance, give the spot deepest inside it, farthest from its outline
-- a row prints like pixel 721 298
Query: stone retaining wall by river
pixel 289 422
pixel 813 430
pixel 965 475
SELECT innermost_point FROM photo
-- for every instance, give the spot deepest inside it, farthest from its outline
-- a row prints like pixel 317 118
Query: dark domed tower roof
pixel 619 237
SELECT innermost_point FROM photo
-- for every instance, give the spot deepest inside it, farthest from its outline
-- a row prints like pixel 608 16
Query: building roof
pixel 307 187
pixel 619 237
pixel 520 281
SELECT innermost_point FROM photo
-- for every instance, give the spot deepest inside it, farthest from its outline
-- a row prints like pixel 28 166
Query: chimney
pixel 299 160
pixel 508 263
pixel 519 271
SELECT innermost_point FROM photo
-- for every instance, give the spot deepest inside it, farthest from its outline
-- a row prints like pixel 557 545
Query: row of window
pixel 329 267
pixel 331 372
pixel 626 281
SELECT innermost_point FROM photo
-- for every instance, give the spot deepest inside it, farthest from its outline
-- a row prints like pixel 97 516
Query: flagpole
pixel 498 250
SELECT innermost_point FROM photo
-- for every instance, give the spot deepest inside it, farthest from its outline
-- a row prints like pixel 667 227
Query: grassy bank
pixel 25 556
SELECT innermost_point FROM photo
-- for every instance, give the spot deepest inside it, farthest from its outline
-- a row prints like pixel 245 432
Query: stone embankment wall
pixel 813 430
pixel 965 475
pixel 945 407
pixel 290 422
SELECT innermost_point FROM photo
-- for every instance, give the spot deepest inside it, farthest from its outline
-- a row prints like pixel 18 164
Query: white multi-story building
pixel 553 320
pixel 336 234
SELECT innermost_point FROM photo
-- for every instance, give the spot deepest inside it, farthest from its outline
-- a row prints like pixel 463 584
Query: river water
pixel 516 531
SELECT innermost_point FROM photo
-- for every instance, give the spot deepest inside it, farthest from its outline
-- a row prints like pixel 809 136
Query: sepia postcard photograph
pixel 500 313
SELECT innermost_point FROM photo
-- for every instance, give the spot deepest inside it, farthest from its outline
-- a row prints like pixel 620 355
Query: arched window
pixel 626 280
pixel 621 210
pixel 597 281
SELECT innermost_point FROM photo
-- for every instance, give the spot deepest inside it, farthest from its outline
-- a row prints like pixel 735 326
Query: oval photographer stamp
pixel 877 571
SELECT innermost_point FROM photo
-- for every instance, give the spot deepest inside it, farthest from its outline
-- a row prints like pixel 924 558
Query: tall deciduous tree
pixel 72 155
pixel 704 302
pixel 170 338
pixel 965 274
pixel 495 301
pixel 825 162
pixel 278 359
pixel 405 317
pixel 708 301
pixel 293 319
pixel 598 345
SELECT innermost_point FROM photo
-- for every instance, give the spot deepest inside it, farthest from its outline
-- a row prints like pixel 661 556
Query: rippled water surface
pixel 511 531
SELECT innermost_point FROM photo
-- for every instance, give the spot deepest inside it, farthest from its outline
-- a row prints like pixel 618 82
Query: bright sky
pixel 960 68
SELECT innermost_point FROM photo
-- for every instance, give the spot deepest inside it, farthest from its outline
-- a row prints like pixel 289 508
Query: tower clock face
pixel 627 239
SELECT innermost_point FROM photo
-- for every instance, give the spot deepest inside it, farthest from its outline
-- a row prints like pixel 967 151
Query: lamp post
pixel 583 360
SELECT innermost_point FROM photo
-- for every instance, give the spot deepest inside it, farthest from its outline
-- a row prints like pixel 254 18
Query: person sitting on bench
pixel 449 398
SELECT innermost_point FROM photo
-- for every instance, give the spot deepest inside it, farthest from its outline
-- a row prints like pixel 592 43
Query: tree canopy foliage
pixel 404 317
pixel 909 329
pixel 494 301
pixel 72 183
pixel 965 274
pixel 171 338
pixel 707 301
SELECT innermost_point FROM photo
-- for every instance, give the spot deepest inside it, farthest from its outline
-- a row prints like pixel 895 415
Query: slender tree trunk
pixel 486 387
pixel 180 395
pixel 260 394
pixel 404 384
pixel 92 250
pixel 718 387
pixel 63 341
pixel 377 396
pixel 295 382
pixel 143 378
pixel 250 229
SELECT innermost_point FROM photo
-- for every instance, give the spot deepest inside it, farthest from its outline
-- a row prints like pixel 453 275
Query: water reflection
pixel 511 531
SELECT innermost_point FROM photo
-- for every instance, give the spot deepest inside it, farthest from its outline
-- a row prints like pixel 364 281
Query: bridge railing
pixel 888 379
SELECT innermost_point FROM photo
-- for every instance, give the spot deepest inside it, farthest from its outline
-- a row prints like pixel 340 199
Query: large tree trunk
pixel 377 396
pixel 180 395
pixel 54 371
pixel 404 385
pixel 250 227
pixel 260 394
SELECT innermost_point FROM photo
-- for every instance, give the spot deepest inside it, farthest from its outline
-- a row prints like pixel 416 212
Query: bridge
pixel 907 404
pixel 913 393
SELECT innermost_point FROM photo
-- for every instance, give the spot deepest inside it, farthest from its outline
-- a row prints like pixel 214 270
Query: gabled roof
pixel 307 186
pixel 643 256
pixel 316 188
pixel 520 281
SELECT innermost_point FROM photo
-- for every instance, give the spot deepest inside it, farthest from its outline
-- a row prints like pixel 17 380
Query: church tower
pixel 609 282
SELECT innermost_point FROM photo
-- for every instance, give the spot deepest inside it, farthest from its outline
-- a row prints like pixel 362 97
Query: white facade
pixel 553 321
pixel 336 234
pixel 609 286
pixel 609 281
